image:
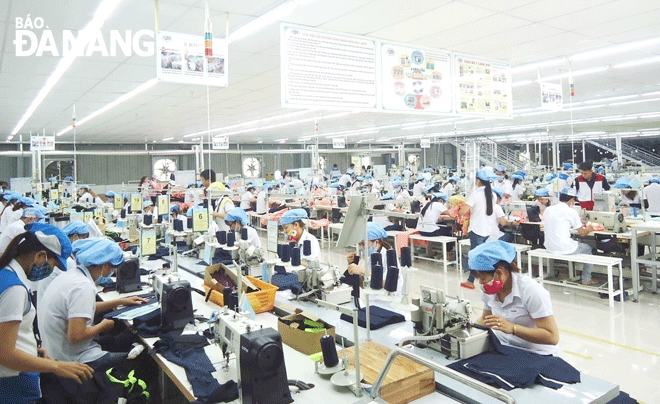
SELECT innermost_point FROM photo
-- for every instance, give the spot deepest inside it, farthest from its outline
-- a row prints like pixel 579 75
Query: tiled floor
pixel 619 344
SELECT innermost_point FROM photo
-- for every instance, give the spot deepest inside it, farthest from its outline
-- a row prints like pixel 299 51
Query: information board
pixel 43 143
pixel 338 143
pixel 272 230
pixel 483 87
pixel 163 204
pixel 551 96
pixel 147 242
pixel 136 203
pixel 415 78
pixel 182 59
pixel 321 69
pixel 118 201
pixel 200 220
pixel 221 143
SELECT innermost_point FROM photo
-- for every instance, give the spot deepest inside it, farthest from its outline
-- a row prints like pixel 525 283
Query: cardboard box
pixel 305 342
pixel 231 272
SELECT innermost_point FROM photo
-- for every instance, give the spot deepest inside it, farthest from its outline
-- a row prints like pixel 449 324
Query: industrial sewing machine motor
pixel 448 319
pixel 262 373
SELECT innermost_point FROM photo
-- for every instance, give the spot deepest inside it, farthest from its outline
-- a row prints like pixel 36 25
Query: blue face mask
pixel 40 272
pixel 103 280
pixel 371 250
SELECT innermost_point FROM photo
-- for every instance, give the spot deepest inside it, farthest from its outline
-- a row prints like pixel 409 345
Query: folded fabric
pixel 379 317
pixel 286 281
pixel 510 367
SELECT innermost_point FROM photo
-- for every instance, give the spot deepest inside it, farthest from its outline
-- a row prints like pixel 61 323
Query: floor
pixel 619 344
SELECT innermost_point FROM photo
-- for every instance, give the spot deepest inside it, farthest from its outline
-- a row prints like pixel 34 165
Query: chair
pixel 532 233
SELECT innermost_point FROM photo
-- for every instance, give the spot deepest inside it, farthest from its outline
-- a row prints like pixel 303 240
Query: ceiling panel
pixel 547 9
pixel 599 14
pixel 499 6
pixel 488 27
pixel 649 18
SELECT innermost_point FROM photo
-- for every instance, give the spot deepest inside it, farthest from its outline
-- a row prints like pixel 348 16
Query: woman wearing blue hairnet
pixel 516 307
pixel 237 220
pixel 293 223
pixel 30 257
pixel 67 308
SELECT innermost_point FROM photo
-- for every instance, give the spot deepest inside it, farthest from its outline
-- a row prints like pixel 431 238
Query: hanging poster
pixel 551 96
pixel 43 143
pixel 221 143
pixel 425 143
pixel 321 69
pixel 182 59
pixel 483 87
pixel 338 143
pixel 415 79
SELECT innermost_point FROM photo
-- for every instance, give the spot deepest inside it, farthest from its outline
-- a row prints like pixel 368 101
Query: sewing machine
pixel 605 201
pixel 612 221
pixel 448 320
pixel 259 356
pixel 323 280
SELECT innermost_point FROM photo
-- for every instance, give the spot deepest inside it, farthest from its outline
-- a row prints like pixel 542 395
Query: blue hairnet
pixel 439 195
pixel 267 186
pixel 622 183
pixel 387 197
pixel 429 187
pixel 396 183
pixel 521 173
pixel 563 176
pixel 33 213
pixel 75 227
pixel 68 178
pixel 375 231
pixel 350 172
pixel 335 185
pixel 293 215
pixel 10 196
pixel 568 166
pixel 655 180
pixel 237 214
pixel 569 191
pixel 53 239
pixel 498 192
pixel 147 203
pixel 484 256
pixel 486 174
pixel 174 207
pixel 26 201
pixel 110 194
pixel 518 177
pixel 189 212
pixel 542 192
pixel 97 251
pixel 453 178
pixel 500 168
pixel 83 186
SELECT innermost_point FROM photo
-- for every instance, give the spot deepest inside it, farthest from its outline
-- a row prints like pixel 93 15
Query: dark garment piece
pixel 623 398
pixel 162 251
pixel 107 361
pixel 148 325
pixel 394 227
pixel 97 390
pixel 510 367
pixel 380 317
pixel 286 281
pixel 188 351
pixel 112 314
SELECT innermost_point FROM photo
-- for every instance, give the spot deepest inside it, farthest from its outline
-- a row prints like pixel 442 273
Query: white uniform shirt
pixel 245 200
pixel 448 189
pixel 517 192
pixel 15 306
pixel 528 301
pixel 429 221
pixel 13 216
pixel 625 199
pixel 345 180
pixel 9 233
pixel 86 198
pixel 253 237
pixel 559 220
pixel 316 249
pixel 297 184
pixel 262 206
pixel 42 285
pixel 406 175
pixel 70 295
pixel 224 206
pixel 481 223
pixel 652 195
pixel 504 186
pixel 5 217
pixel 418 189
pixel 498 212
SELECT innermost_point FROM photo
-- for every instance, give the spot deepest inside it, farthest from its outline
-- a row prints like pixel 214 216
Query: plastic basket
pixel 261 301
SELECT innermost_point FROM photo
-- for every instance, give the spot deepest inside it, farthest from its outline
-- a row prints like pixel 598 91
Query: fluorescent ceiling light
pixel 575 73
pixel 608 99
pixel 256 121
pixel 585 107
pixel 591 133
pixel 615 49
pixel 100 16
pixel 128 95
pixel 618 118
pixel 258 23
pixel 536 65
pixel 639 62
pixel 167 139
pixel 635 102
pixel 651 93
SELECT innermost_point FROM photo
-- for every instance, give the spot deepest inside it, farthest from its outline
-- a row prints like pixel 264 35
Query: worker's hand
pixel 589 227
pixel 42 353
pixel 355 269
pixel 498 323
pixel 106 326
pixel 350 257
pixel 72 370
pixel 132 301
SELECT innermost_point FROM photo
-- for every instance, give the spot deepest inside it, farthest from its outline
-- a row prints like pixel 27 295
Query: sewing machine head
pixel 605 201
pixel 612 221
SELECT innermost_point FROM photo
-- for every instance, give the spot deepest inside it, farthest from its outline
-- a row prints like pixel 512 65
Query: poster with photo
pixel 483 87
pixel 181 59
pixel 551 96
pixel 43 143
pixel 415 79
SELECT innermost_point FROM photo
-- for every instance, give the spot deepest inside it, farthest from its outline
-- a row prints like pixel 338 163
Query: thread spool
pixel 244 234
pixel 178 225
pixel 148 220
pixel 356 259
pixel 286 253
pixel 227 298
pixel 130 210
pixel 376 276
pixel 376 258
pixel 190 222
pixel 295 256
pixel 307 248
pixel 280 247
pixel 416 315
pixel 123 213
pixel 392 278
pixel 406 258
pixel 391 258
pixel 231 238
pixel 329 349
pixel 221 236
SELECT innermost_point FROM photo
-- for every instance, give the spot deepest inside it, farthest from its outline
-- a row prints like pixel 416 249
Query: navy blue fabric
pixel 188 352
pixel 113 314
pixel 516 367
pixel 21 389
pixel 379 317
pixel 623 398
pixel 286 281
